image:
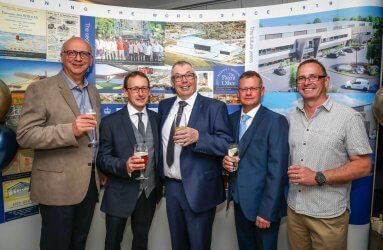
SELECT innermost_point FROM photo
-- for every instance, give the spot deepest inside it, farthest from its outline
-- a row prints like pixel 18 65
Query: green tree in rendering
pixel 158 31
pixel 376 21
pixel 317 20
pixel 293 76
pixel 105 27
pixel 374 48
pixel 356 18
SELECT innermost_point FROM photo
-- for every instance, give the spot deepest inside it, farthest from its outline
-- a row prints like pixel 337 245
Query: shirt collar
pixel 190 101
pixel 133 111
pixel 326 105
pixel 252 112
pixel 71 83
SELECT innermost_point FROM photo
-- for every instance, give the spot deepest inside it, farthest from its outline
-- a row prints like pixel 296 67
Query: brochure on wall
pixel 15 187
pixel 21 32
pixel 60 27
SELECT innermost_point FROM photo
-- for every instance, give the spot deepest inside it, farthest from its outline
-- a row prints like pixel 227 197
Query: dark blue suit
pixel 261 177
pixel 117 141
pixel 201 188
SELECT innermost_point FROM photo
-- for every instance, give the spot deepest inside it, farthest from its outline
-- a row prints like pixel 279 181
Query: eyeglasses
pixel 178 77
pixel 252 89
pixel 135 90
pixel 74 53
pixel 311 78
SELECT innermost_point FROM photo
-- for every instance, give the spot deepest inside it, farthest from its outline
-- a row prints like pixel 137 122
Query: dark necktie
pixel 170 148
pixel 141 126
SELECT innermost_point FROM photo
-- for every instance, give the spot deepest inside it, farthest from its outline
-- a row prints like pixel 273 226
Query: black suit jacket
pixel 116 146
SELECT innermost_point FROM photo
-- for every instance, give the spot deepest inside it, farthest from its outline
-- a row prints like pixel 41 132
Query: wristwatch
pixel 320 178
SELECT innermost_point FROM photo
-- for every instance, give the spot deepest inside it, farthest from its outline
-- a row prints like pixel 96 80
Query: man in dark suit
pixel 54 123
pixel 257 185
pixel 125 195
pixel 192 159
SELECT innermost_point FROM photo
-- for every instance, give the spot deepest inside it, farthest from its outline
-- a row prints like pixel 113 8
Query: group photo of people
pixel 120 41
pixel 138 51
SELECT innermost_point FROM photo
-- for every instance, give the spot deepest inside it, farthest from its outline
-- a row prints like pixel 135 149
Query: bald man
pixel 54 123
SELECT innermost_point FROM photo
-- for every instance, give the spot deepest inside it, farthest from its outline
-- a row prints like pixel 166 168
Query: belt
pixel 92 164
pixel 173 179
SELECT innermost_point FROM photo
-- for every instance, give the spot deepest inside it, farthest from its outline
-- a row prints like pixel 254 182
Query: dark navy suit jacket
pixel 116 146
pixel 201 162
pixel 262 170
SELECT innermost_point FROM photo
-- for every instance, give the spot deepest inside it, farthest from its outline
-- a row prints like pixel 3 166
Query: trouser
pixel 307 232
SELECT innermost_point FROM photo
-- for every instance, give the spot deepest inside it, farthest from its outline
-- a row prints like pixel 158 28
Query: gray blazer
pixel 61 167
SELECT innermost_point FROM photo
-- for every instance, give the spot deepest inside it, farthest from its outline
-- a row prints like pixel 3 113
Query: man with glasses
pixel 192 159
pixel 257 176
pixel 54 123
pixel 125 195
pixel 329 148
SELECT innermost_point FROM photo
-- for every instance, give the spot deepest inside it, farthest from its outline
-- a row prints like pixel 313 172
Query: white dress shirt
pixel 175 171
pixel 134 117
pixel 252 114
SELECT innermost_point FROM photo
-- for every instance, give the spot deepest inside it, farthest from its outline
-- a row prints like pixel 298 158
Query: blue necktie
pixel 242 126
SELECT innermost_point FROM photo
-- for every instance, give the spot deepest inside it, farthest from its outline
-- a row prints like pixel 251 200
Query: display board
pixel 221 44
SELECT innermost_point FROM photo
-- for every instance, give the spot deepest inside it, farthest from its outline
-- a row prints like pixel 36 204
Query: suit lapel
pixel 128 126
pixel 93 99
pixel 237 120
pixel 67 95
pixel 196 111
pixel 250 132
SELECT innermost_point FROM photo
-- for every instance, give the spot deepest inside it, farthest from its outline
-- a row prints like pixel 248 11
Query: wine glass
pixel 233 151
pixel 141 150
pixel 93 141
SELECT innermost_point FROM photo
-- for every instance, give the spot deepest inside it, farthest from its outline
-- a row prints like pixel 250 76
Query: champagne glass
pixel 141 150
pixel 183 124
pixel 93 141
pixel 233 151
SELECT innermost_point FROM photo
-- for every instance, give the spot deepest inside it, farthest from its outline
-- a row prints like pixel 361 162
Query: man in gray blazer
pixel 54 123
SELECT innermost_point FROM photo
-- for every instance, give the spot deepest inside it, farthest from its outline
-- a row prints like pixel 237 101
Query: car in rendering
pixel 348 50
pixel 359 69
pixel 341 53
pixel 280 71
pixel 344 67
pixel 333 55
pixel 359 84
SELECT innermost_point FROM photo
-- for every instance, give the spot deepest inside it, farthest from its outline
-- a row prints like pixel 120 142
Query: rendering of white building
pixel 212 46
pixel 306 40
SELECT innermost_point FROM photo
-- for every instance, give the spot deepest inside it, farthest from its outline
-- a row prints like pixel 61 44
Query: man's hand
pixel 262 223
pixel 103 178
pixel 186 136
pixel 301 175
pixel 228 163
pixel 83 123
pixel 135 163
